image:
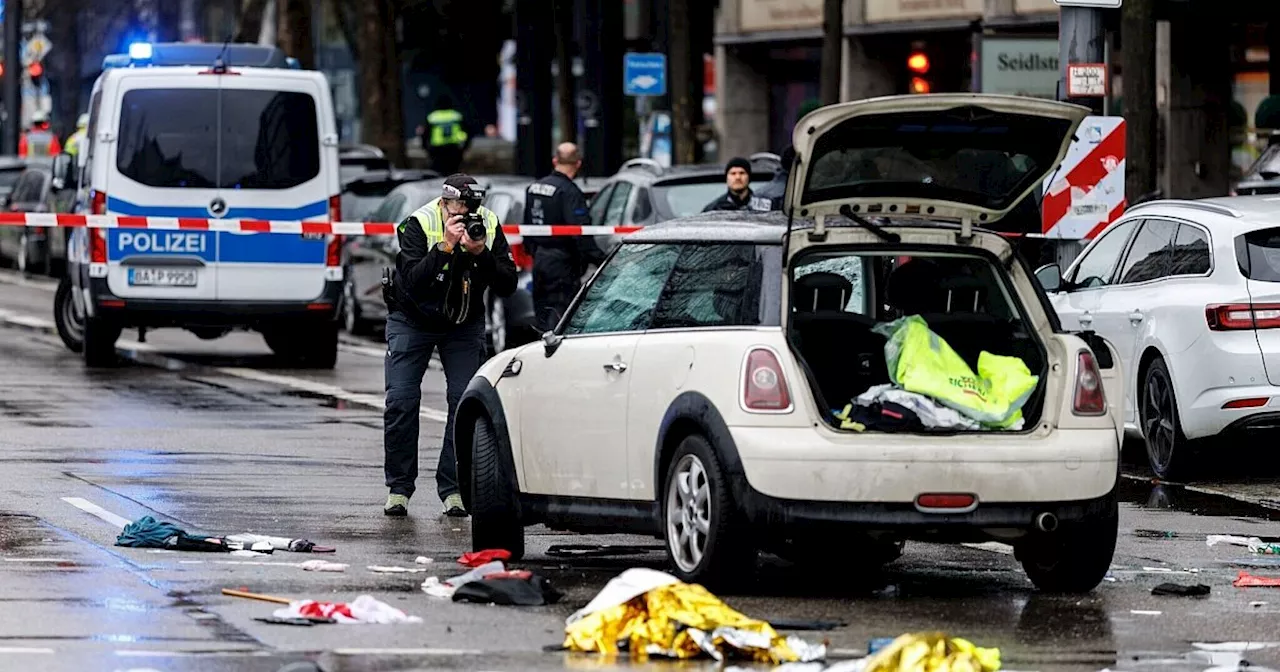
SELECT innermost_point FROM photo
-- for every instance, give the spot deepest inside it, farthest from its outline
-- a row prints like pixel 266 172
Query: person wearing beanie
pixel 738 196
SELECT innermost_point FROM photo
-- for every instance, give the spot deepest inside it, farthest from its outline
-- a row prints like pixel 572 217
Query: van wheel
pixel 705 536
pixel 495 522
pixel 310 348
pixel 67 317
pixel 100 339
pixel 1075 557
pixel 1169 452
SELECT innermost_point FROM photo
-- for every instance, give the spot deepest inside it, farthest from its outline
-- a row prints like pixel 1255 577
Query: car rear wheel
pixel 67 317
pixel 705 536
pixel 495 522
pixel 100 338
pixel 1073 558
pixel 1169 452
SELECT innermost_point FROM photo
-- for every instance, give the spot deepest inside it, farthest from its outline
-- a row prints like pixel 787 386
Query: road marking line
pixel 992 547
pixel 24 649
pixel 32 322
pixel 95 510
pixel 315 387
pixel 406 652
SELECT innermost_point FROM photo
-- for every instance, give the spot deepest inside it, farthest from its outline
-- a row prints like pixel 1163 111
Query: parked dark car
pixel 363 192
pixel 508 322
pixel 36 249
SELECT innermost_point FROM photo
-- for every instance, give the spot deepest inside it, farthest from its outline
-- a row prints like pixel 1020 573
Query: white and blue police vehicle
pixel 231 131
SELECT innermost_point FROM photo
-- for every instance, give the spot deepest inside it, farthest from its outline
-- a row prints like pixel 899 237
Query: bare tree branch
pixel 249 27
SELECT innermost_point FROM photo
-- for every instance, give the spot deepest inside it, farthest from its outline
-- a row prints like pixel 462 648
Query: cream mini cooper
pixel 700 388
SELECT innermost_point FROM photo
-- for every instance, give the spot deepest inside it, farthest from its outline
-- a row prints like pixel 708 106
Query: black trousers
pixel 409 348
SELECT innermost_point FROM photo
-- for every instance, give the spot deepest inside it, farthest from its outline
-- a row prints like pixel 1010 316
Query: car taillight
pixel 1236 316
pixel 1089 398
pixel 764 387
pixel 97 246
pixel 333 251
pixel 335 209
pixel 97 203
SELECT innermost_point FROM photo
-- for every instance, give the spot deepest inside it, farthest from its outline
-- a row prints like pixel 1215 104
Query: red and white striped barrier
pixel 50 220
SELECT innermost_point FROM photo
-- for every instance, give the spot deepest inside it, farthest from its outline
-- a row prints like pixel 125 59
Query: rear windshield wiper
pixel 886 236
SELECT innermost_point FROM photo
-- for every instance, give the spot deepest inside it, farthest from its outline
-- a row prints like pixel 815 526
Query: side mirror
pixel 1050 278
pixel 61 171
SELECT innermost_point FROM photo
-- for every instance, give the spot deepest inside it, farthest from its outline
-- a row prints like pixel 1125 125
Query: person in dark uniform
pixel 435 301
pixel 558 262
pixel 776 188
pixel 737 176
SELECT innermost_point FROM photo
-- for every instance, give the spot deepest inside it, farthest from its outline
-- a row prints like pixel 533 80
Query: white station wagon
pixel 692 390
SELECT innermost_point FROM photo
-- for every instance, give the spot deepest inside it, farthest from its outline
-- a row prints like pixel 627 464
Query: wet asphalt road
pixel 210 435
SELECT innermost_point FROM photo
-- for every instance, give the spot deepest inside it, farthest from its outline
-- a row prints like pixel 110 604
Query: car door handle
pixel 1135 316
pixel 617 367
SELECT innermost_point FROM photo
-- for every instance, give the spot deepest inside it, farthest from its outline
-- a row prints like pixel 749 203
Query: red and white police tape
pixel 50 220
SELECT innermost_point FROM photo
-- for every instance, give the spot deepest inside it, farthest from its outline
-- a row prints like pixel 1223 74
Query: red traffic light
pixel 918 62
pixel 35 69
pixel 920 85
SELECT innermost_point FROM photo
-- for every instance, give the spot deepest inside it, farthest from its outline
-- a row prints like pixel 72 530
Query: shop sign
pixel 780 14
pixel 1020 66
pixel 915 10
pixel 1034 6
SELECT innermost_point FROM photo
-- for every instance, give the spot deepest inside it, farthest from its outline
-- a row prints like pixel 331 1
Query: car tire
pixel 1169 452
pixel 497 334
pixel 67 318
pixel 1074 558
pixel 706 543
pixel 495 521
pixel 353 320
pixel 100 338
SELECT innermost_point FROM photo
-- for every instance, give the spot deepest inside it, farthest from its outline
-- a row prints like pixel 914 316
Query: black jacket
pixel 558 262
pixel 435 297
pixel 729 202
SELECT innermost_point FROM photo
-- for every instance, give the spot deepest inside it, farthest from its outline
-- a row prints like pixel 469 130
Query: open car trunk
pixel 894 187
pixel 844 301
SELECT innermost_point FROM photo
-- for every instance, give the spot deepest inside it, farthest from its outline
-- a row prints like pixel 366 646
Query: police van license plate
pixel 163 277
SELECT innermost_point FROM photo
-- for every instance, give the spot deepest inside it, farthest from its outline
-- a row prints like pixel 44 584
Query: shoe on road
pixel 397 505
pixel 453 506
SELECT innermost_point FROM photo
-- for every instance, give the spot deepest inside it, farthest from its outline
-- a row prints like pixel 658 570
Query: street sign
pixel 644 74
pixel 1086 80
pixel 1102 4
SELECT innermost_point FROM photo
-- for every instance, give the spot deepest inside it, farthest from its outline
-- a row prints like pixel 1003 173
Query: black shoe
pixel 453 506
pixel 397 505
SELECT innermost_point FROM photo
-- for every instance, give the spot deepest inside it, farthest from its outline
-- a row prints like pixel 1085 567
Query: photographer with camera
pixel 451 250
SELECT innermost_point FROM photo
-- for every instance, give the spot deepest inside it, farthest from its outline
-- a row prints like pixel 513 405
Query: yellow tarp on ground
pixel 932 652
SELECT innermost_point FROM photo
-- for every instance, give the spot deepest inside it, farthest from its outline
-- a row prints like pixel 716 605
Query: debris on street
pixel 1247 580
pixel 601 550
pixel 523 589
pixel 1181 590
pixel 281 543
pixel 434 587
pixel 147 532
pixel 323 566
pixel 423 560
pixel 478 558
pixel 392 569
pixel 931 652
pixel 364 609
pixel 651 613
pixel 1254 544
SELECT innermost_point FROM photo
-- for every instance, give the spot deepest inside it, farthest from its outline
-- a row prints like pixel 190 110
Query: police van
pixel 206 131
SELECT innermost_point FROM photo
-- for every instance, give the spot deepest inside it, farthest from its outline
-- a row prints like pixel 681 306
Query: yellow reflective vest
pixel 446 128
pixel 431 218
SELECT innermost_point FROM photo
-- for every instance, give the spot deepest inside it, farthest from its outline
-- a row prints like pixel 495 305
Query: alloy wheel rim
pixel 498 326
pixel 71 318
pixel 688 513
pixel 349 312
pixel 22 253
pixel 1157 420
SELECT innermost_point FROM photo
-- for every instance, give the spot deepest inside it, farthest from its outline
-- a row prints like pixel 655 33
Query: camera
pixel 475 226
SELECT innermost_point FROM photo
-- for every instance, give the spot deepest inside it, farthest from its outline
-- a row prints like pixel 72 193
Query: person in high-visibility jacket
pixel 435 301
pixel 75 139
pixel 444 138
pixel 39 140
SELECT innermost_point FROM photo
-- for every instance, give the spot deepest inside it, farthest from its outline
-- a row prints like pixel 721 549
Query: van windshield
pixel 175 138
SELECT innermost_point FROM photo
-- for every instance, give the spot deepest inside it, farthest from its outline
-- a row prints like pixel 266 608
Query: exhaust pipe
pixel 1046 522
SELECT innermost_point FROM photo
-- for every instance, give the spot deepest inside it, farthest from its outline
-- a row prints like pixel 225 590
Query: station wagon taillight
pixel 1090 399
pixel 764 387
pixel 1237 316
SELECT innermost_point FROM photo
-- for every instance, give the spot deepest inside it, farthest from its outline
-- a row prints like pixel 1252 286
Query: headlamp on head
pixel 471 195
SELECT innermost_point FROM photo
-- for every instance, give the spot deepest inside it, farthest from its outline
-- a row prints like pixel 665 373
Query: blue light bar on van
pixel 140 51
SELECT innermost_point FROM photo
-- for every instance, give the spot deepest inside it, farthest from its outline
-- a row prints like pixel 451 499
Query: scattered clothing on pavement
pixel 147 532
pixel 1247 580
pixel 478 558
pixel 364 609
pixel 529 591
pixel 1254 544
pixel 651 613
pixel 281 543
pixel 1180 590
pixel 435 587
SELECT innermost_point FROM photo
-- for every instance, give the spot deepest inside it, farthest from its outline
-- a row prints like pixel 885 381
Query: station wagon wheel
pixel 1168 450
pixel 706 536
